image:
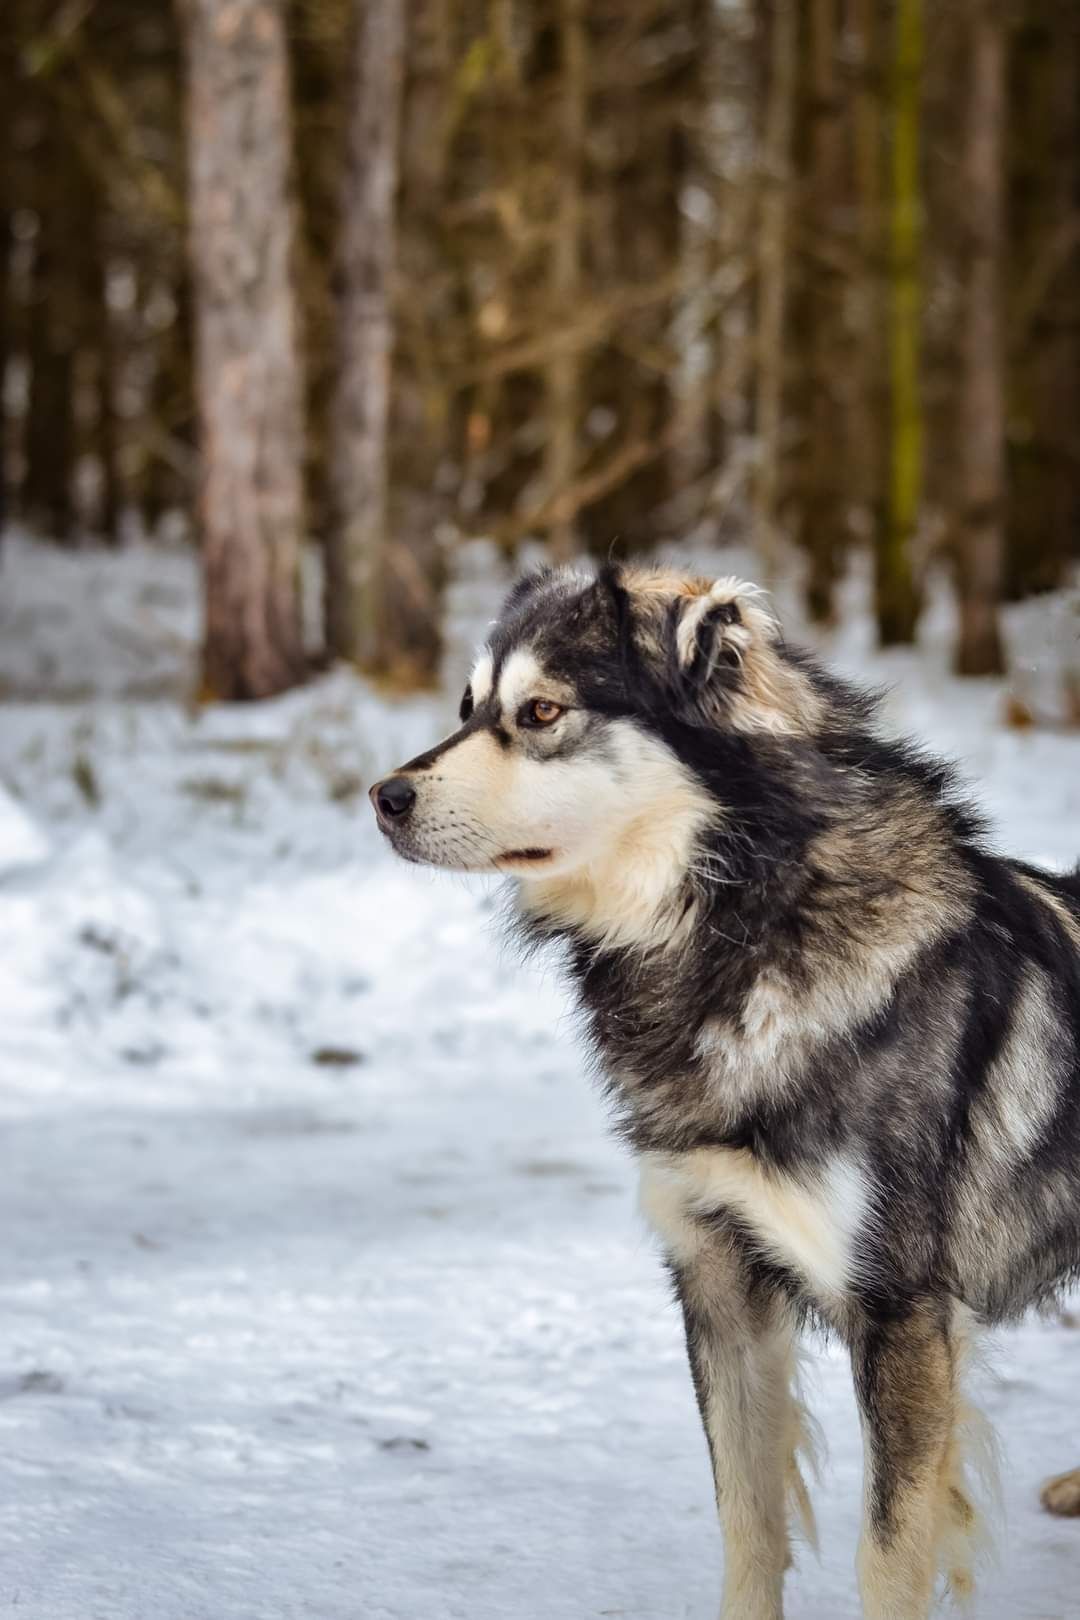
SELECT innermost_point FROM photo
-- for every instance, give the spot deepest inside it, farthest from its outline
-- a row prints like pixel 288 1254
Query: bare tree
pixel 772 273
pixel 8 83
pixel 826 485
pixel 1043 298
pixel 248 381
pixel 870 426
pixel 980 528
pixel 356 573
pixel 426 316
pixel 897 594
pixel 563 404
pixel 48 489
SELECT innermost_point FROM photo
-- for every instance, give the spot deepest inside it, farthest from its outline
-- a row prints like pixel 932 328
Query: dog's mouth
pixel 403 847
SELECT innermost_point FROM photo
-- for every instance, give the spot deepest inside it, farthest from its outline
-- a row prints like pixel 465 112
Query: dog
pixel 840 1035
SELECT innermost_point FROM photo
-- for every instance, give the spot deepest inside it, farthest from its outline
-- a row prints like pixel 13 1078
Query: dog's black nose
pixel 393 798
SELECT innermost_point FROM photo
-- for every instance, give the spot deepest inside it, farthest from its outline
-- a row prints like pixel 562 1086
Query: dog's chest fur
pixel 699 1049
pixel 699 1072
pixel 808 1223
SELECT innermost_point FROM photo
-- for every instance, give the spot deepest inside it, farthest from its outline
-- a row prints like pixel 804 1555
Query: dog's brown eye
pixel 540 712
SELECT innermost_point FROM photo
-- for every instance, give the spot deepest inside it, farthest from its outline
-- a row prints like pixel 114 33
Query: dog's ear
pixel 712 651
pixel 720 636
pixel 725 664
pixel 712 629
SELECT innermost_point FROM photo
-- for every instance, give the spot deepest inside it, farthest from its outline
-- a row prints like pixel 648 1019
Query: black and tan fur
pixel 840 1035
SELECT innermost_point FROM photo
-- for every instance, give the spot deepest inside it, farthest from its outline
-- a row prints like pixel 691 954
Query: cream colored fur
pixel 481 678
pixel 941 1524
pixel 757 1431
pixel 783 1022
pixel 622 893
pixel 811 1227
pixel 1020 1095
pixel 520 679
pixel 621 823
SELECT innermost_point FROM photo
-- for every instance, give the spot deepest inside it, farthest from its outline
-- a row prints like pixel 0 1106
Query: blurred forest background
pixel 368 276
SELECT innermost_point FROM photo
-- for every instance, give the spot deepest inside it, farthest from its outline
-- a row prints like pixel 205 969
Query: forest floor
pixel 323 1291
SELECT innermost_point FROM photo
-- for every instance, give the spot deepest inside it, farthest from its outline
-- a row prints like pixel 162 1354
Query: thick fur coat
pixel 841 1036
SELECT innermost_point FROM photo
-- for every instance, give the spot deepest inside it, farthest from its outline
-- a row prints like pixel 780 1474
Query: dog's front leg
pixel 742 1360
pixel 905 1382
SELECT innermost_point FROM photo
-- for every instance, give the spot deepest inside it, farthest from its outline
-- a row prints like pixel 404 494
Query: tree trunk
pixel 772 278
pixel 5 345
pixel 563 404
pixel 897 593
pixel 640 161
pixel 1043 327
pixel 980 536
pixel 411 610
pixel 8 48
pixel 248 382
pixel 357 579
pixel 100 338
pixel 48 484
pixel 714 321
pixel 870 427
pixel 165 482
pixel 827 478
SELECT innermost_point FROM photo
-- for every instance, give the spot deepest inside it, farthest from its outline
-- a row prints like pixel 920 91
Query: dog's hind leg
pixel 743 1364
pixel 920 1520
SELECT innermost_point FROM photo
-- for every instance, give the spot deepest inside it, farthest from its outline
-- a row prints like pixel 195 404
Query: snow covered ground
pixel 323 1293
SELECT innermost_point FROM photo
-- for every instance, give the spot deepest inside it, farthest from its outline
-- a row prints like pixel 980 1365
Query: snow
pixel 22 842
pixel 324 1291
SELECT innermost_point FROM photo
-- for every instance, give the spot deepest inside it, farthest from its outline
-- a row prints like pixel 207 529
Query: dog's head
pixel 582 721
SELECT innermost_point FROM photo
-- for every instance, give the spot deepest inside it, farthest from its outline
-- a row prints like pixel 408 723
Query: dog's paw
pixel 1062 1495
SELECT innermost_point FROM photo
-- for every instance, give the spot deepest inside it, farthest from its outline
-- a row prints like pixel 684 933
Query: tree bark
pixel 413 561
pixel 356 573
pixel 165 481
pixel 870 435
pixel 638 168
pixel 713 327
pixel 563 403
pixel 772 278
pixel 248 380
pixel 980 531
pixel 8 49
pixel 897 593
pixel 5 346
pixel 826 481
pixel 1043 325
pixel 48 484
pixel 100 337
